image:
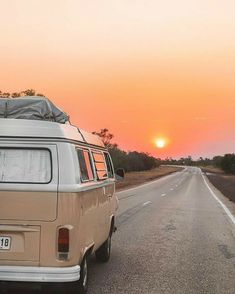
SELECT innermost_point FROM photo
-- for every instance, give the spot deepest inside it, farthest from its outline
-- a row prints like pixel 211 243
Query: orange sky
pixel 143 69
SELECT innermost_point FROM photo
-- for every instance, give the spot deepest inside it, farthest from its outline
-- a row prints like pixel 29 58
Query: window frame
pixel 78 148
pixel 111 165
pixel 95 151
pixel 28 182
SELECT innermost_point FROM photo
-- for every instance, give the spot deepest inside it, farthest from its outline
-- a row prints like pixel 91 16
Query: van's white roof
pixel 45 129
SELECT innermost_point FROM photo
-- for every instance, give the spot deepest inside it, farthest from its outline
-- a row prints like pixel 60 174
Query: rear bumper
pixel 39 274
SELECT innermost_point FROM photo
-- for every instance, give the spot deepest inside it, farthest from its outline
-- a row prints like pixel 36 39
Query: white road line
pixel 146 203
pixel 220 202
pixel 164 194
pixel 172 189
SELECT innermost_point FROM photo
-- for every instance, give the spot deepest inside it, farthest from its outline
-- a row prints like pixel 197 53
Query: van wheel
pixel 104 252
pixel 83 281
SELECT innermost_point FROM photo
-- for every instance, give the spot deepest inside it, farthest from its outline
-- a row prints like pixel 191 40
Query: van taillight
pixel 63 243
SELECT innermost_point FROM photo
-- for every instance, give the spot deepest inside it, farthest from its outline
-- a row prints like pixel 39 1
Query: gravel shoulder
pixel 223 182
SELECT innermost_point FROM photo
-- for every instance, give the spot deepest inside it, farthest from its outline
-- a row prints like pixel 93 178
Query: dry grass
pixel 136 178
pixel 213 170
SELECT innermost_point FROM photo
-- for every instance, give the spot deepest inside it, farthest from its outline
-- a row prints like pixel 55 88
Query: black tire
pixel 84 273
pixel 103 253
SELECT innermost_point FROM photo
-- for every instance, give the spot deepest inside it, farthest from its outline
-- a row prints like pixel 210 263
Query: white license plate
pixel 5 243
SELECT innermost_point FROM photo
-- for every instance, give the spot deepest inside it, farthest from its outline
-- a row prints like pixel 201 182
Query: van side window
pixel 100 165
pixel 85 165
pixel 109 165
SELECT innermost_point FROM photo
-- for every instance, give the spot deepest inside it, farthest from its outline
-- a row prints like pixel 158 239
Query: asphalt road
pixel 173 237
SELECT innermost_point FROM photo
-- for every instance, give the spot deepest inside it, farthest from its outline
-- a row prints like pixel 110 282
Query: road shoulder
pixel 224 200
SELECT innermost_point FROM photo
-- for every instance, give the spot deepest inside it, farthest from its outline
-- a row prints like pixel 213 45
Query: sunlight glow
pixel 160 143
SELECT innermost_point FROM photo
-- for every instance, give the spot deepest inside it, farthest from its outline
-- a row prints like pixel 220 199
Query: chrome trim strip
pixel 39 274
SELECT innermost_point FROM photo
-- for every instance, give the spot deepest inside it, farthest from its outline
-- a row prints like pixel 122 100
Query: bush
pixel 228 163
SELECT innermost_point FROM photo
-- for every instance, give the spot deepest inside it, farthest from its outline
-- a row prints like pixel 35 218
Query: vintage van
pixel 57 202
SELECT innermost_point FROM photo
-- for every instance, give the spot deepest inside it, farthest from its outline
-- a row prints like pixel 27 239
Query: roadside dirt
pixel 223 182
pixel 137 178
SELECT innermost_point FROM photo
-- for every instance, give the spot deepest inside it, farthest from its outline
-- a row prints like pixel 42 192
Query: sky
pixel 144 69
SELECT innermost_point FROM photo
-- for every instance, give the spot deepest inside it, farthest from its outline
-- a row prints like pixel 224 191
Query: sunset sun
pixel 160 143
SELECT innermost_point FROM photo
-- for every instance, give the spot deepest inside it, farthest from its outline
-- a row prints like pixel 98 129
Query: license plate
pixel 5 243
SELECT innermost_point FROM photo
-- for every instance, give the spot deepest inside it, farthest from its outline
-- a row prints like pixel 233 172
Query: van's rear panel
pixel 28 206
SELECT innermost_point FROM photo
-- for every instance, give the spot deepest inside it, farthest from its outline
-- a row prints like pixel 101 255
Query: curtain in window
pixel 25 165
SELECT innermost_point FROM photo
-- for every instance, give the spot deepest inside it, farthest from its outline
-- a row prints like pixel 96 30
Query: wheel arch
pixel 112 225
pixel 88 250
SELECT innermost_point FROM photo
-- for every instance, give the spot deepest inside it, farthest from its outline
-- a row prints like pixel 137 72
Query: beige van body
pixel 52 176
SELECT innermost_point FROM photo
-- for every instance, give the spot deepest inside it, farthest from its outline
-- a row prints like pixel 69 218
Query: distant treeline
pixel 133 160
pixel 226 162
pixel 28 92
pixel 139 161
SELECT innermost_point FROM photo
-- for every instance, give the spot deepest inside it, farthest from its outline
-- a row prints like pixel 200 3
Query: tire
pixel 103 253
pixel 83 281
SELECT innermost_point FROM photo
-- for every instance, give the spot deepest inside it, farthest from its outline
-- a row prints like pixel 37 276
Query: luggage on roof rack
pixel 32 108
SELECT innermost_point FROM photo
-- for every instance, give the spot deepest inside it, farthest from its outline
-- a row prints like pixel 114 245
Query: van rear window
pixel 24 165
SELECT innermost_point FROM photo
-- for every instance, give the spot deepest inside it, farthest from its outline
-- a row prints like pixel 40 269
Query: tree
pixel 4 94
pixel 105 136
pixel 29 92
pixel 119 157
pixel 228 163
pixel 15 95
pixel 217 160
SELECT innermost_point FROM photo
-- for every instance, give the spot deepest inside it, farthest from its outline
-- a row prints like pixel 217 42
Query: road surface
pixel 173 237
